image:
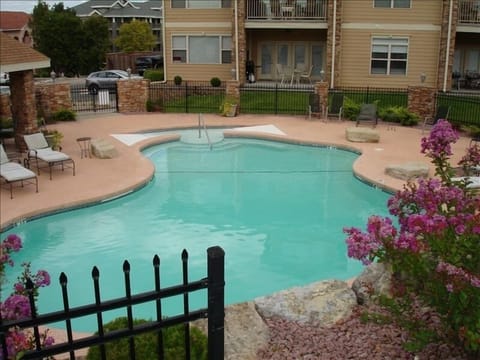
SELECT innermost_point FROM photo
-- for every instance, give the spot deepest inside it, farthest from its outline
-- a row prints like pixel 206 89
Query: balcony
pixel 290 10
pixel 469 12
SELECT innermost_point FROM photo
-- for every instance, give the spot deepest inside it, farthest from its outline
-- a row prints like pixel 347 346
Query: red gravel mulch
pixel 348 339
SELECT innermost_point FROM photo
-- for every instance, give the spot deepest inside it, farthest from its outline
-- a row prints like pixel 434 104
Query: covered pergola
pixel 20 60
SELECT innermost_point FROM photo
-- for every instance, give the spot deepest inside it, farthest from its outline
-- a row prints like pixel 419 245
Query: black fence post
pixel 216 302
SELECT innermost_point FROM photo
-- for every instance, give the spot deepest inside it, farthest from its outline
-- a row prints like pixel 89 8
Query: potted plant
pixel 53 137
pixel 229 107
pixel 177 80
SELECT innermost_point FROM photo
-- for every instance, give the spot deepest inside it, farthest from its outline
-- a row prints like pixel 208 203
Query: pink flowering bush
pixel 17 306
pixel 436 245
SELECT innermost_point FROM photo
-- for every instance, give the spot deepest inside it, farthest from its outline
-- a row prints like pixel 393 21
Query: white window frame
pixel 186 59
pixel 393 5
pixel 194 4
pixel 390 42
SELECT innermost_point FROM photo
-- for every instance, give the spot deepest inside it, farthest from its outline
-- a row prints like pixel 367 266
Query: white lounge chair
pixel 13 172
pixel 473 182
pixel 38 150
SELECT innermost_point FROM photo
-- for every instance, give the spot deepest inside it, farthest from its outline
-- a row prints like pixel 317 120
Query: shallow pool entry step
pixel 194 138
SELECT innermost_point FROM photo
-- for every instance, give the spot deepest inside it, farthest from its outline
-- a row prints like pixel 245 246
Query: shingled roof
pixel 120 8
pixel 13 20
pixel 15 56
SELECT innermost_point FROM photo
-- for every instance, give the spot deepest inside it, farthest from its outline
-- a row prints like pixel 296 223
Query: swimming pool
pixel 277 210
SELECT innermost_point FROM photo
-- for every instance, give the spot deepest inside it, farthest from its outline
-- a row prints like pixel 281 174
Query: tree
pixel 73 46
pixel 135 36
pixel 95 44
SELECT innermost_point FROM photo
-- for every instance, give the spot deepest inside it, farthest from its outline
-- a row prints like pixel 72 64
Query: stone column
pixel 52 97
pixel 330 40
pixel 421 101
pixel 443 44
pixel 232 91
pixel 242 40
pixel 132 95
pixel 24 111
pixel 321 89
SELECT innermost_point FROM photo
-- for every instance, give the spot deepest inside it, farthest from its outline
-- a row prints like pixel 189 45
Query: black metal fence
pixel 383 97
pixel 214 311
pixel 274 98
pixel 186 97
pixel 464 106
pixel 83 100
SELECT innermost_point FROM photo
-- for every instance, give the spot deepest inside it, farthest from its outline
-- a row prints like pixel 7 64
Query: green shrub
pixel 6 123
pixel 146 344
pixel 63 115
pixel 398 114
pixel 215 81
pixel 154 75
pixel 351 109
pixel 155 105
pixel 177 79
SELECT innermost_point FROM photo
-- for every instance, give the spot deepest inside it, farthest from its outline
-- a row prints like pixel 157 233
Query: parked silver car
pixel 105 79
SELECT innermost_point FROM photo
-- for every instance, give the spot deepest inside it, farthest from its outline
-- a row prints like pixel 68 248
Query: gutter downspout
pixel 334 40
pixel 447 54
pixel 163 46
pixel 236 42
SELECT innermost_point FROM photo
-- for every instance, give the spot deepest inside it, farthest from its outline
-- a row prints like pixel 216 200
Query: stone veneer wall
pixel 443 43
pixel 421 101
pixel 51 98
pixel 232 90
pixel 338 38
pixel 132 95
pixel 321 89
pixel 23 108
pixel 5 110
pixel 242 41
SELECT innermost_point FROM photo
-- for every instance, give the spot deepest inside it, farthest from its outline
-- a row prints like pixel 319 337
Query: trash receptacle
pixel 250 71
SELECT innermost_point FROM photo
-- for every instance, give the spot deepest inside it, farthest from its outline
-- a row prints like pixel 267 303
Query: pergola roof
pixel 16 56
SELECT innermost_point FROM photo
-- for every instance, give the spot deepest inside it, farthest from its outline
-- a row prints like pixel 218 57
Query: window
pixel 202 49
pixel 201 4
pixel 401 4
pixel 389 56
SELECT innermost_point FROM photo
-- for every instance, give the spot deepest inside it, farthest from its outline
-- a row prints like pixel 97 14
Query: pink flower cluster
pixel 17 305
pixel 457 273
pixel 471 159
pixel 11 244
pixel 437 145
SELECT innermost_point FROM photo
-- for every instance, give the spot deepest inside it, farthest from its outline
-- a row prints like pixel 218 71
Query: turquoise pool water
pixel 276 209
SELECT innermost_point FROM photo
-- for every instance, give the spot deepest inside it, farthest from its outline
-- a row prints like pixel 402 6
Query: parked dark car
pixel 105 79
pixel 143 63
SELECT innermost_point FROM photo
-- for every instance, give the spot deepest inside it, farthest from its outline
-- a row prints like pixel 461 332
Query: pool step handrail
pixel 202 123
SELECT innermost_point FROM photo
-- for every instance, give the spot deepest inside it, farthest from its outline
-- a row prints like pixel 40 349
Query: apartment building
pixel 382 43
pixel 118 12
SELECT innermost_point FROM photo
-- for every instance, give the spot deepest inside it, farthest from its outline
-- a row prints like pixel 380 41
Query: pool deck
pixel 99 179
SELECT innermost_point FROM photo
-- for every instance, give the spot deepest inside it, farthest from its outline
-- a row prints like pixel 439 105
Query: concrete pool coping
pixel 100 179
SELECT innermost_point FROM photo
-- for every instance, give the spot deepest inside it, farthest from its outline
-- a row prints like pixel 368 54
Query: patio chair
pixel 40 153
pixel 12 172
pixel 441 113
pixel 336 106
pixel 368 112
pixel 472 182
pixel 307 75
pixel 314 106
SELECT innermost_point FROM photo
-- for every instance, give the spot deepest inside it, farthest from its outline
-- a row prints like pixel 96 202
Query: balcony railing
pixel 469 12
pixel 293 10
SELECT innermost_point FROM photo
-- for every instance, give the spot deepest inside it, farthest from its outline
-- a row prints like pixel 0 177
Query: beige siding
pixel 194 22
pixel 421 12
pixel 423 53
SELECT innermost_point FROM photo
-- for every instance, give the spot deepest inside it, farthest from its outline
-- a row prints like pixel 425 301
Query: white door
pixel 266 70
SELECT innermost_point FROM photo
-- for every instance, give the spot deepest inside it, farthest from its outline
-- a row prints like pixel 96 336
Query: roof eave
pixel 25 66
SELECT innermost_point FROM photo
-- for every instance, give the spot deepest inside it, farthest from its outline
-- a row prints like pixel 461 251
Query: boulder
pixel 407 170
pixel 322 303
pixel 361 134
pixel 103 149
pixel 374 280
pixel 245 331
